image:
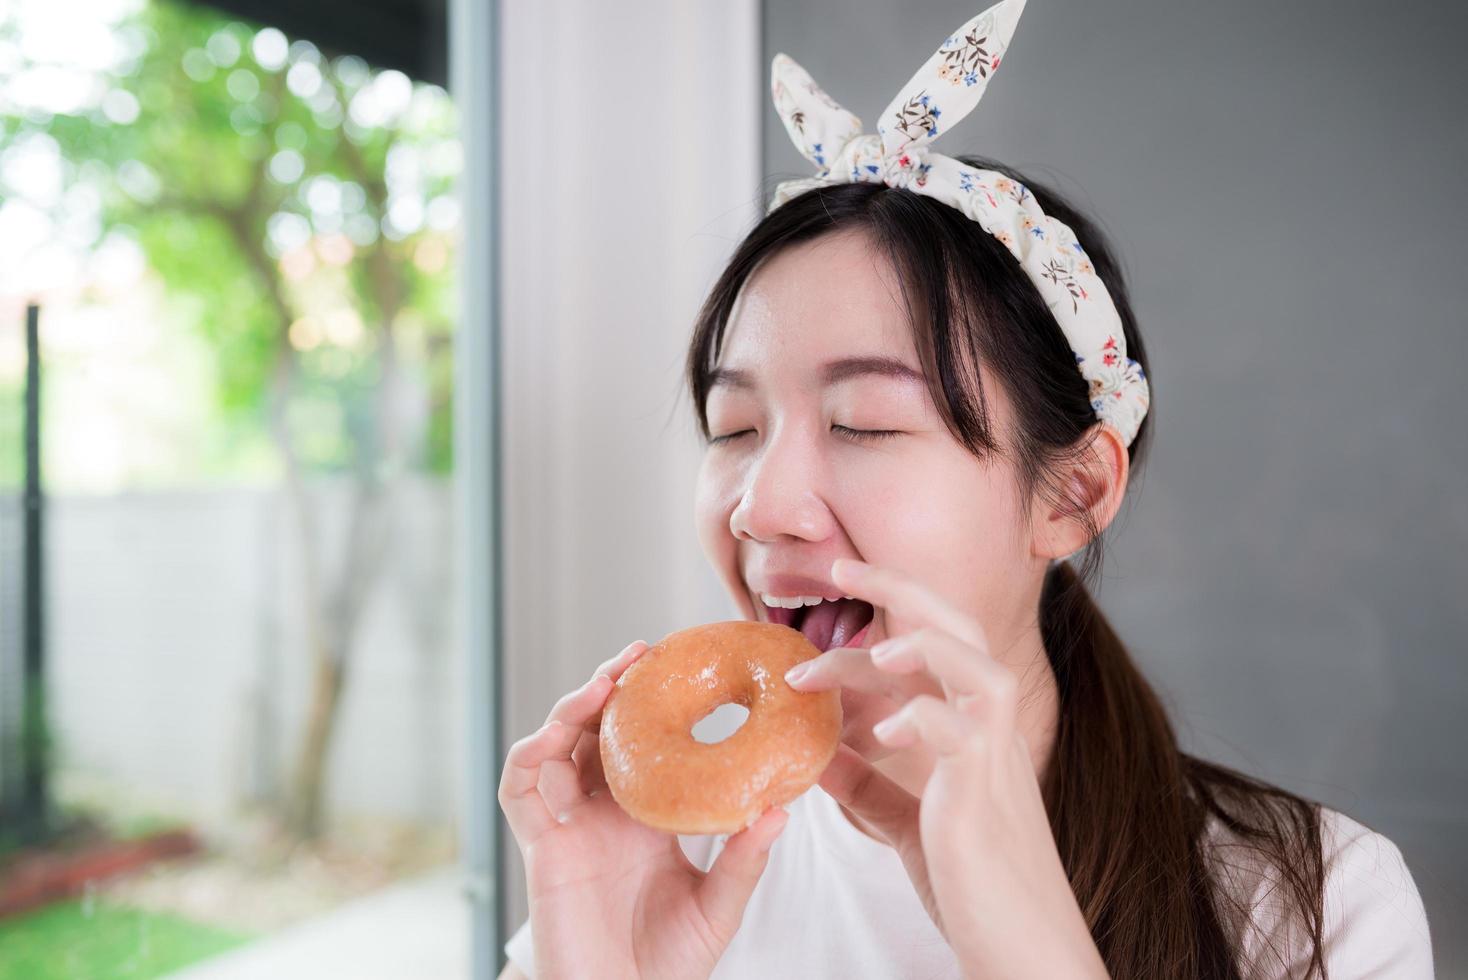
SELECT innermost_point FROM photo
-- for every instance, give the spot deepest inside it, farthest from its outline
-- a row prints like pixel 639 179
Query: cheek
pixel 945 520
pixel 912 505
pixel 713 503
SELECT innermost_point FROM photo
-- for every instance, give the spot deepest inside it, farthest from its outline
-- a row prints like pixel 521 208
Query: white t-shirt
pixel 833 902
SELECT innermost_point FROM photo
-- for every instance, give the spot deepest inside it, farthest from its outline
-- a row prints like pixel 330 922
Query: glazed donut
pixel 666 779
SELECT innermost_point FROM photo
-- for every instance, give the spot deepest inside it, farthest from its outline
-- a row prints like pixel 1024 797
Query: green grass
pixel 74 940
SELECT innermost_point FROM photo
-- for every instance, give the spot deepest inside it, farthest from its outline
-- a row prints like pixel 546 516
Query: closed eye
pixel 733 435
pixel 856 435
pixel 867 435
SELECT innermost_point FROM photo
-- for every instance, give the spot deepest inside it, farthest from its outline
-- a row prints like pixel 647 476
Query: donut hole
pixel 720 723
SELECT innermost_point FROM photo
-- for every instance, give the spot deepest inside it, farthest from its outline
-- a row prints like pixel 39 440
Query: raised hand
pixel 609 896
pixel 976 841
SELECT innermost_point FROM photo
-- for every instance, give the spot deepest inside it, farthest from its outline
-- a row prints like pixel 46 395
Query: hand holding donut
pixel 609 896
pixel 977 844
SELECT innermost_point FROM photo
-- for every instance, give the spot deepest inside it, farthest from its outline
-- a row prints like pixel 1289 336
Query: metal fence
pixel 23 809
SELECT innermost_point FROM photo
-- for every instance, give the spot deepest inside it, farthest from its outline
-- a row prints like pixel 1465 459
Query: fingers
pixel 726 888
pixel 519 792
pixel 928 661
pixel 579 707
pixel 568 785
pixel 587 756
pixel 614 667
pixel 930 720
pixel 950 646
pixel 904 598
pixel 541 781
pixel 857 785
pixel 969 674
pixel 852 667
pixel 563 784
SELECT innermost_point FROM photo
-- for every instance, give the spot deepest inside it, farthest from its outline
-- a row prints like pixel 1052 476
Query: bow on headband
pixel 944 90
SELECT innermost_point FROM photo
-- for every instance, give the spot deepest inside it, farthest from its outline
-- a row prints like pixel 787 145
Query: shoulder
pixel 1373 921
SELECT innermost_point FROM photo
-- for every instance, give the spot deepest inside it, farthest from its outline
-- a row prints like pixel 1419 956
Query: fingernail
pixel 885 649
pixel 847 566
pixel 794 674
pixel 611 662
pixel 886 726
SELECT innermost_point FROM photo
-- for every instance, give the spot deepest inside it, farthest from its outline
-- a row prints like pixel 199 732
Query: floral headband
pixel 944 90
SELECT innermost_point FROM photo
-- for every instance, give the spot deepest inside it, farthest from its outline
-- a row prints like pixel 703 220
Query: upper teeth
pixel 794 601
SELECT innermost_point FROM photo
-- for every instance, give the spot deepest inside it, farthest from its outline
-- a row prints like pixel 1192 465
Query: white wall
pixel 631 168
pixel 177 667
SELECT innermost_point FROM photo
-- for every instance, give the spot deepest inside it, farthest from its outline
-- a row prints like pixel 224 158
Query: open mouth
pixel 830 624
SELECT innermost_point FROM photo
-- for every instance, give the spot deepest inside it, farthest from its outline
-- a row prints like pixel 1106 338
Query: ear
pixel 1095 483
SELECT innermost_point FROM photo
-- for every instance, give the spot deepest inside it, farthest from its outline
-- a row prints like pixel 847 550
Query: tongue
pixel 832 624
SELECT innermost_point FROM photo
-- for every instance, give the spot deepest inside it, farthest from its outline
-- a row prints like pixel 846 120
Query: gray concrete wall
pixel 1284 185
pixel 177 664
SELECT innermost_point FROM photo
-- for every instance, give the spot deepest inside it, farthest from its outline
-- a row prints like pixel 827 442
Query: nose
pixel 782 495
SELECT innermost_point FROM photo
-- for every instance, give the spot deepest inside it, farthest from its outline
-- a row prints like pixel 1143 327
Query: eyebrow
pixel 833 372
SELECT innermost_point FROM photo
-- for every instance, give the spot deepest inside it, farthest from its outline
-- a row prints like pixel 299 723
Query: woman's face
pixel 792 491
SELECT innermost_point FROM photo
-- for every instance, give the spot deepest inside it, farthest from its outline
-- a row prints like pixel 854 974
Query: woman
pixel 895 423
pixel 1009 799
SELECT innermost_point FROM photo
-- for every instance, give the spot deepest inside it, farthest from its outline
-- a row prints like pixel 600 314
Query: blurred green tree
pixel 301 209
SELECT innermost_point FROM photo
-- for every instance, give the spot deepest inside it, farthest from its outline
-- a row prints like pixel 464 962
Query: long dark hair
pixel 1127 806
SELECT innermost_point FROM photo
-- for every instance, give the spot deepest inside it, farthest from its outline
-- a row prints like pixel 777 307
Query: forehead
pixel 830 299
